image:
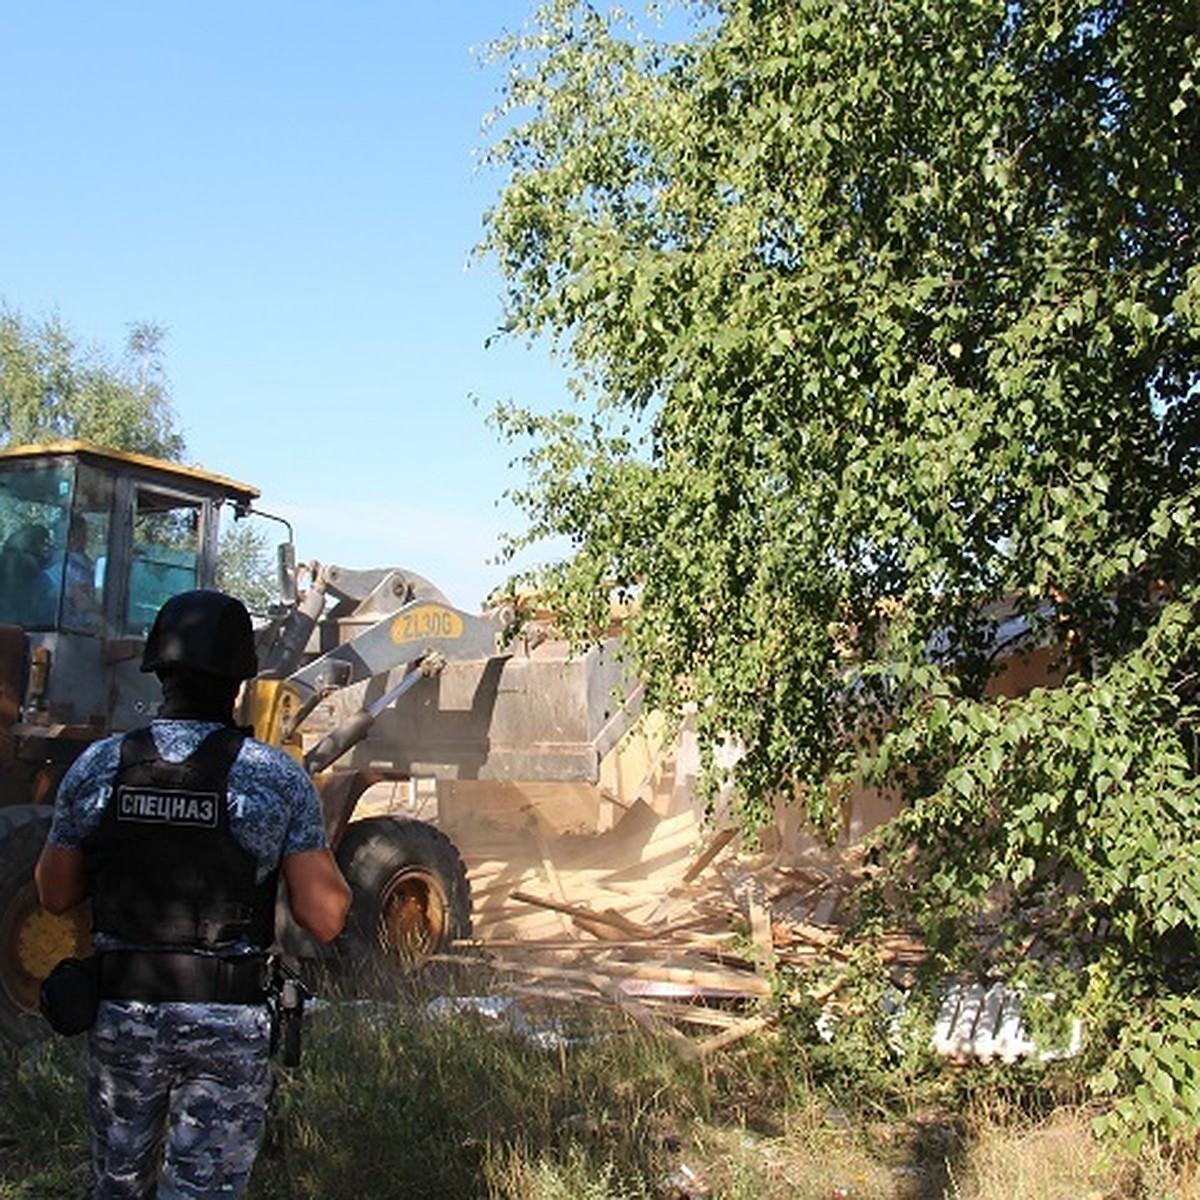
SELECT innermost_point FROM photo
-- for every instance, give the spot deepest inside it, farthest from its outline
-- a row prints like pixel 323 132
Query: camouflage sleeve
pixel 306 830
pixel 286 811
pixel 83 792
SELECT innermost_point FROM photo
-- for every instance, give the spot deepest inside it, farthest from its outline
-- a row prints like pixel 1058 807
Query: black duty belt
pixel 159 976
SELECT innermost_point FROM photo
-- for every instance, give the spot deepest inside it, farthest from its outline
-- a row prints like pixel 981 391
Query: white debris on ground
pixel 503 1012
pixel 985 1022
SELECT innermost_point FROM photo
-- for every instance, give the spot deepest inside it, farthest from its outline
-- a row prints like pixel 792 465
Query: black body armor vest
pixel 164 868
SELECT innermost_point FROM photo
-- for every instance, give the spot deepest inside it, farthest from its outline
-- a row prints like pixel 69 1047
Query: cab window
pixel 85 552
pixel 166 555
pixel 34 516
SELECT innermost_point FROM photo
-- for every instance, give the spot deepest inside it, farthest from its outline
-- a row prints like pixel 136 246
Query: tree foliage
pixel 246 567
pixel 51 388
pixel 878 314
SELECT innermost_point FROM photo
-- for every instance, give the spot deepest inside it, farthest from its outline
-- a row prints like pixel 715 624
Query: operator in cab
pixel 178 833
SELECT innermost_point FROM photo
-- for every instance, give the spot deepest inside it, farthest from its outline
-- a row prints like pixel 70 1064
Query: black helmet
pixel 202 631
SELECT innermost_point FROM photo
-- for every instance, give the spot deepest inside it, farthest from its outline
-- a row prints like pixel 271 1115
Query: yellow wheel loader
pixel 369 677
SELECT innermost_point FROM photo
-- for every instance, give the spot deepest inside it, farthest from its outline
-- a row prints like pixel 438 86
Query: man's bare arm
pixel 318 895
pixel 60 878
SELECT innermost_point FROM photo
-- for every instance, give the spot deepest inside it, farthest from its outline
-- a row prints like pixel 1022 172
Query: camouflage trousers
pixel 177 1097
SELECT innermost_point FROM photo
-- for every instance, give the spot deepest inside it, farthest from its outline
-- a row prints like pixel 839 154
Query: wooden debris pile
pixel 657 916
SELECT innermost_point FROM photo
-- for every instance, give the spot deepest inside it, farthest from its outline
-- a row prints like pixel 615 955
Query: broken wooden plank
pixel 735 1033
pixel 760 924
pixel 605 924
pixel 704 1015
pixel 716 844
pixel 548 867
pixel 680 939
pixel 672 978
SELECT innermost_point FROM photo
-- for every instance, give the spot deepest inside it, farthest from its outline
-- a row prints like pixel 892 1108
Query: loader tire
pixel 31 939
pixel 410 895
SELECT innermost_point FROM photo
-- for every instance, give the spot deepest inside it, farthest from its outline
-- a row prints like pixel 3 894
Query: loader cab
pixel 92 542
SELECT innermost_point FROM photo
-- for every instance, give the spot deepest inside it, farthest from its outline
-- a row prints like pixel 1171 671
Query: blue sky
pixel 292 191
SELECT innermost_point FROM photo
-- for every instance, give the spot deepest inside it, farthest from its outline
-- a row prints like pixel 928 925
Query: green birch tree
pixel 879 314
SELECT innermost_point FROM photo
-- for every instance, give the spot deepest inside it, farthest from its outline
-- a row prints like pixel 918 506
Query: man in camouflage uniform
pixel 178 834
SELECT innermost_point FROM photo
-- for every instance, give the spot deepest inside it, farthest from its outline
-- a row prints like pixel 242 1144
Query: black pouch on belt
pixel 70 995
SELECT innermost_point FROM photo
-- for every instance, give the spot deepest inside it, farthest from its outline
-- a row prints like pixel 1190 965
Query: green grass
pixel 390 1101
pixel 43 1135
